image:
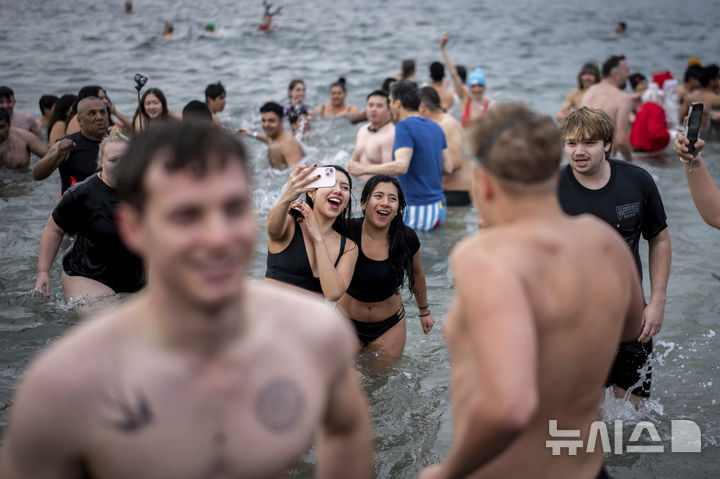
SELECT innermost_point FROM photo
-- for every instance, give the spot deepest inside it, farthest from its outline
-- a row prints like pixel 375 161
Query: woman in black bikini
pixel 307 247
pixel 387 252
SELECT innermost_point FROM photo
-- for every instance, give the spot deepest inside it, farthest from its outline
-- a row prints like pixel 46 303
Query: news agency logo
pixel 684 437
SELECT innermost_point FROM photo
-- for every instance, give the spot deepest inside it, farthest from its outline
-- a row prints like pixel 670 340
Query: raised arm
pixel 460 88
pixel 54 157
pixel 705 193
pixel 278 220
pixel 50 241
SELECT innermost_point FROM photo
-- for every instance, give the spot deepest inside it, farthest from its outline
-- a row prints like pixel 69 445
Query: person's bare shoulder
pixel 303 316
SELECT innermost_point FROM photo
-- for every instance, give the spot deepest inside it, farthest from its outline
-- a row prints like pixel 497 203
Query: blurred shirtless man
pixel 284 150
pixel 206 374
pixel 16 144
pixel 374 140
pixel 456 185
pixel 18 119
pixel 532 338
pixel 608 96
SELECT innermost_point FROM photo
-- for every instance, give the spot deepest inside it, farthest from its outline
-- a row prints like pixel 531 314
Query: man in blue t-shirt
pixel 420 157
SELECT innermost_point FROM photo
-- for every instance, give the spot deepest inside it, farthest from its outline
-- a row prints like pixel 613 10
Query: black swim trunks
pixel 457 198
pixel 368 332
pixel 632 369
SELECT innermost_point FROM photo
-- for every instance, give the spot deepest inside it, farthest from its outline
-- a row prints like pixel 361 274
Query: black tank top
pixel 372 280
pixel 291 265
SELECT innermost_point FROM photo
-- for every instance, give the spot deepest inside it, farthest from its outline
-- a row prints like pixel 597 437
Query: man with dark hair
pixel 624 196
pixel 215 99
pixel 374 140
pixel 542 301
pixel 205 374
pixel 420 157
pixel 196 111
pixel 46 104
pixel 407 70
pixel 456 184
pixel 608 96
pixel 16 144
pixel 705 94
pixel 76 155
pixel 691 82
pixel 437 74
pixel 283 149
pixel 18 119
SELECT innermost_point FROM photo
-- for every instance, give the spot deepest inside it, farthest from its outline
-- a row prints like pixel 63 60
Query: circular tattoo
pixel 279 404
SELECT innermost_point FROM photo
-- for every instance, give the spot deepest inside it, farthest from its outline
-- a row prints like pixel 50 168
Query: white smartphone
pixel 327 177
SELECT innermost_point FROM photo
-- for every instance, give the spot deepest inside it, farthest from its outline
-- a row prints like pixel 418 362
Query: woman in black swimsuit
pixel 311 251
pixel 387 252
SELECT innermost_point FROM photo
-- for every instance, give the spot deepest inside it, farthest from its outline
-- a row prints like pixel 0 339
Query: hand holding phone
pixel 327 177
pixel 694 120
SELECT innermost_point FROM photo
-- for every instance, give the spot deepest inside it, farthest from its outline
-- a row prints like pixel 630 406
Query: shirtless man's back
pixel 17 144
pixel 542 303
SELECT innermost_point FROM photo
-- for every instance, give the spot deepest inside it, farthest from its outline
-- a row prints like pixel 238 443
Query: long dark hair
pixel 342 222
pixel 141 107
pixel 60 113
pixel 400 236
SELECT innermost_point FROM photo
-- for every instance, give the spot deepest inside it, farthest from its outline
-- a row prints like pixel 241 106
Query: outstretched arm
pixel 705 193
pixel 54 158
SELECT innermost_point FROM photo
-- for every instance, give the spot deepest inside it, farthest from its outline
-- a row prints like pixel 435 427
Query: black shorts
pixel 632 369
pixel 457 198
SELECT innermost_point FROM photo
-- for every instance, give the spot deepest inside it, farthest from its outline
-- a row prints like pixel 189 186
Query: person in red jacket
pixel 649 132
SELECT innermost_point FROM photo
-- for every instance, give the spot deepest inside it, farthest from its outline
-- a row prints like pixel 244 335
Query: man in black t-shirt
pixel 625 196
pixel 76 155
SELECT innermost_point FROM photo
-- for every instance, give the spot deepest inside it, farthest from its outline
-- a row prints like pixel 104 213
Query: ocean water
pixel 530 51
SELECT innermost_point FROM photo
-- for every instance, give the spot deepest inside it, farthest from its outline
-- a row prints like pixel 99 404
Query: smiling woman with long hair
pixel 307 243
pixel 388 251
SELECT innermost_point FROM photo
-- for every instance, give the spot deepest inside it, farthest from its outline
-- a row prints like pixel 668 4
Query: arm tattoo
pixel 279 405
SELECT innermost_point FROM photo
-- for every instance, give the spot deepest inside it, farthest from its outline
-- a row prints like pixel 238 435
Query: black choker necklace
pixel 372 129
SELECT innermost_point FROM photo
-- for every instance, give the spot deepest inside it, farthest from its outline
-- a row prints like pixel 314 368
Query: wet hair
pixel 293 83
pixel 437 71
pixel 46 102
pixel 60 113
pixel 294 115
pixel 4 115
pixel 180 146
pixel 408 68
pixel 381 93
pixel 611 64
pixel 196 110
pixel 407 92
pixel 341 83
pixel 692 71
pixel 635 79
pixel 387 83
pixel 168 28
pixel 342 223
pixel 214 90
pixel 519 147
pixel 462 72
pixel 588 68
pixel 272 107
pixel 115 136
pixel 590 123
pixel 708 74
pixel 141 107
pixel 399 236
pixel 430 98
pixel 6 92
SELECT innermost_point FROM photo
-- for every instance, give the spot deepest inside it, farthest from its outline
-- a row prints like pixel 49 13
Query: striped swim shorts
pixel 425 217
